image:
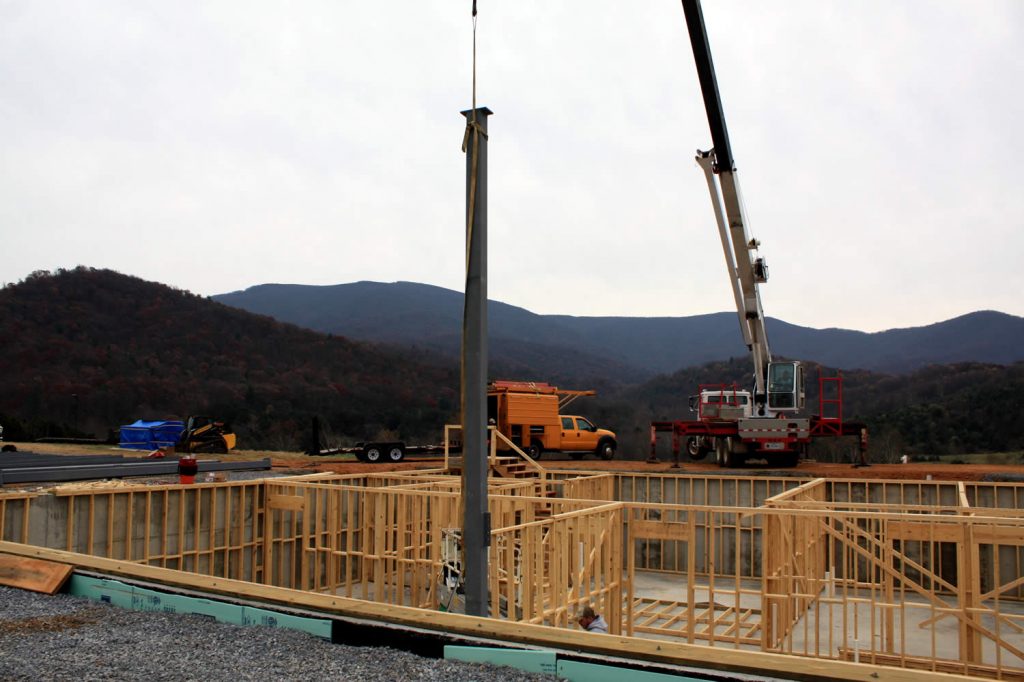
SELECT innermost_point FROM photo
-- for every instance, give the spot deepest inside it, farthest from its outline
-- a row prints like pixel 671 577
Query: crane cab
pixel 722 404
pixel 786 392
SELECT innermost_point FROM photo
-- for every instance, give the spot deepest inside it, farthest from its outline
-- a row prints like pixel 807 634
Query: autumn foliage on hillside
pixel 84 351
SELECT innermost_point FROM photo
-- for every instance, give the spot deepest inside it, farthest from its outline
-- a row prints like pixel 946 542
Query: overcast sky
pixel 213 146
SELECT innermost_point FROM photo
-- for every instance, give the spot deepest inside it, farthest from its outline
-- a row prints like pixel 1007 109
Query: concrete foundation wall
pixel 211 529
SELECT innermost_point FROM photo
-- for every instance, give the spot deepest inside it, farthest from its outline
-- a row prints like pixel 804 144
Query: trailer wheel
pixel 372 453
pixel 396 453
pixel 535 450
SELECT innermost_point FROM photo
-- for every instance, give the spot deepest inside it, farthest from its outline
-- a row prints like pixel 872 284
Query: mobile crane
pixel 763 422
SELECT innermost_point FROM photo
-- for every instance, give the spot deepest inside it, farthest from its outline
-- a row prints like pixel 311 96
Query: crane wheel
pixel 732 458
pixel 724 455
pixel 694 449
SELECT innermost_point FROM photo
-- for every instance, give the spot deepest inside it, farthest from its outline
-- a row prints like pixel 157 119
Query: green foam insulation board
pixel 142 599
pixel 547 663
pixel 110 591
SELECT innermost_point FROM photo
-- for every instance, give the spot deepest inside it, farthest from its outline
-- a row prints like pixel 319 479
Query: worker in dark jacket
pixel 592 622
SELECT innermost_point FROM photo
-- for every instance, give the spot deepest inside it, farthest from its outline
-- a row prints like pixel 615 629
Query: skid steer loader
pixel 203 434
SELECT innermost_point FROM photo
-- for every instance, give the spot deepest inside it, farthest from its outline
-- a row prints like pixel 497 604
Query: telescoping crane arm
pixel 745 270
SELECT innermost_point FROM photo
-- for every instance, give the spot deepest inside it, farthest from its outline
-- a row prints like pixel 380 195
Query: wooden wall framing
pixel 917 575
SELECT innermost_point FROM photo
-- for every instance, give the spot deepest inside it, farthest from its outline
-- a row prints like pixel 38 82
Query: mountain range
pixel 619 349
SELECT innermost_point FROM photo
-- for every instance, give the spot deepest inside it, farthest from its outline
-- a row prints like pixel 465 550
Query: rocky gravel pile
pixel 69 638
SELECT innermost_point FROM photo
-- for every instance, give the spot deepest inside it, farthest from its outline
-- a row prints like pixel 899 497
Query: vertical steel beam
pixel 476 527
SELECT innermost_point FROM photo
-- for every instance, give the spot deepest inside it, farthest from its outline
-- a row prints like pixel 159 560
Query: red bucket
pixel 187 469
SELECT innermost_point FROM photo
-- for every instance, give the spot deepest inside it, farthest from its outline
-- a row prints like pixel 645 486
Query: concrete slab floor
pixel 842 622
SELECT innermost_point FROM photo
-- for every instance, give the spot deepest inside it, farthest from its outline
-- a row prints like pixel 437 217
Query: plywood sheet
pixel 33 574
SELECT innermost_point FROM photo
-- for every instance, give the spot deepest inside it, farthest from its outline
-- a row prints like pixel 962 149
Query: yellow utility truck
pixel 530 415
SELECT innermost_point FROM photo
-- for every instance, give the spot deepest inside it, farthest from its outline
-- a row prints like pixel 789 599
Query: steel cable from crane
pixel 471 136
pixel 474 130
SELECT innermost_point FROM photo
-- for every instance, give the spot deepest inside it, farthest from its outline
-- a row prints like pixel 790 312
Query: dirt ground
pixel 347 464
pixel 914 471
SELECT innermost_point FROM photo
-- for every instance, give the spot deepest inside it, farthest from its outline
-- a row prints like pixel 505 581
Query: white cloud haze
pixel 217 145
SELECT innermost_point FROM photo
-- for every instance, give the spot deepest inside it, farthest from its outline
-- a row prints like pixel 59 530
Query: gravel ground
pixel 69 638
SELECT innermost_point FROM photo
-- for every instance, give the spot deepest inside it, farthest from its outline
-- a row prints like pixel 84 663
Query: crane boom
pixel 746 270
pixel 739 424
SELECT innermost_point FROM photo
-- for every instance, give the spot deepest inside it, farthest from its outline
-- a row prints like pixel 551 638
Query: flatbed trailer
pixel 383 451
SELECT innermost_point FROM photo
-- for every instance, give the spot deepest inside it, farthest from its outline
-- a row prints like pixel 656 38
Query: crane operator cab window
pixel 785 386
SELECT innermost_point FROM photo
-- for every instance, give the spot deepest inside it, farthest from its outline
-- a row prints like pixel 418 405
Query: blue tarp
pixel 143 435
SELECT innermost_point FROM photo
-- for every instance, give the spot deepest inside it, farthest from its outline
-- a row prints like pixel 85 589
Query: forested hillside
pixel 88 350
pixel 85 351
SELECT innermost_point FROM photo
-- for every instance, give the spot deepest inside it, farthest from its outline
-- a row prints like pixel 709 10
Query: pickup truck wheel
pixel 372 454
pixel 535 450
pixel 395 453
pixel 606 449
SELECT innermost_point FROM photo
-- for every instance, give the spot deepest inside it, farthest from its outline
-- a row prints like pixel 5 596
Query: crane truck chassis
pixel 726 427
